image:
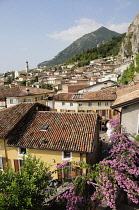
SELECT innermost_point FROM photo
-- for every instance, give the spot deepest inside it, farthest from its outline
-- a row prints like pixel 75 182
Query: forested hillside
pixel 88 41
pixel 111 48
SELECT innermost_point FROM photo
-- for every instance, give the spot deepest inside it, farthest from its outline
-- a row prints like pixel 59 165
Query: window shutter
pixel 103 112
pixel 59 174
pixel 109 114
pixel 16 165
pixel 4 161
pixel 74 172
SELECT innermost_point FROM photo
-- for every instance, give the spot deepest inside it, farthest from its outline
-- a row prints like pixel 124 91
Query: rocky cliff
pixel 130 45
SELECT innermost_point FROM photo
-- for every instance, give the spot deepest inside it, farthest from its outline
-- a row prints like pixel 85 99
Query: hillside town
pixel 62 113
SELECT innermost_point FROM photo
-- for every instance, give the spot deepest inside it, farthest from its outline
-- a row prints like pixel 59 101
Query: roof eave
pixel 126 103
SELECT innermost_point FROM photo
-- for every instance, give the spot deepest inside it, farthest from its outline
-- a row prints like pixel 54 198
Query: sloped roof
pixel 126 95
pixel 21 91
pixel 64 131
pixel 104 94
pixel 11 116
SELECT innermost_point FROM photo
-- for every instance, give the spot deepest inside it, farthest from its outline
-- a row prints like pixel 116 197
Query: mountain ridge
pixel 87 41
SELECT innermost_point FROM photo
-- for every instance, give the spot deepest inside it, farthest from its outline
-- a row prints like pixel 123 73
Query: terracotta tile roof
pixel 9 117
pixel 21 91
pixel 126 95
pixel 66 131
pixel 104 94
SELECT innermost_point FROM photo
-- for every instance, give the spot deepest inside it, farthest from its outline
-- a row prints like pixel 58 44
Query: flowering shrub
pixel 120 170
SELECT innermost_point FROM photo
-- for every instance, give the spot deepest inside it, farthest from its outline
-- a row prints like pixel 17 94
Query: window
pixel 89 104
pixel 18 163
pixel 22 151
pixel 39 98
pixel 89 111
pixel 45 96
pixel 62 110
pixel 1 165
pixel 44 127
pixel 11 101
pixel 80 104
pixel 107 114
pixel 71 104
pixel 63 103
pixel 106 103
pixel 28 100
pixel 14 101
pixel 99 103
pixel 66 155
pixel 99 112
pixel 77 96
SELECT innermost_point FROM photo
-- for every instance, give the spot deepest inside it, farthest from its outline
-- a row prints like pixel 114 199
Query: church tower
pixel 27 69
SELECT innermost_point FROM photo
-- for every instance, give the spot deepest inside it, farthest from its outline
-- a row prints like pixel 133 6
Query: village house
pixel 97 86
pixel 72 88
pixel 91 102
pixel 128 102
pixel 111 76
pixel 54 137
pixel 20 94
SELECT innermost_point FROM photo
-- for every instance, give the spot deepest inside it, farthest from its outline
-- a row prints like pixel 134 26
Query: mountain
pixel 130 45
pixel 88 41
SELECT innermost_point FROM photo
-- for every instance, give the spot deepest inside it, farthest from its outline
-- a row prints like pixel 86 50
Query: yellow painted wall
pixel 2 148
pixel 45 155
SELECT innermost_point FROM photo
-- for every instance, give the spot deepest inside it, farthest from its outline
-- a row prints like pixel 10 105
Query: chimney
pixel 27 91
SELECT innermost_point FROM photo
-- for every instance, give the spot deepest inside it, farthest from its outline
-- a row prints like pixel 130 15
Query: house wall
pixel 16 100
pixel 129 118
pixel 86 107
pixel 2 105
pixel 49 156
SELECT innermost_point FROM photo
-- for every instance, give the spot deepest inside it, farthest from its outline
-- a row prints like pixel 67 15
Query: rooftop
pixel 54 131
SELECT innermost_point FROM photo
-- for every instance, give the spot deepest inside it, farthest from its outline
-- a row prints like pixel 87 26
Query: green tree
pixel 27 189
pixel 137 63
pixel 128 75
pixel 47 86
pixel 23 83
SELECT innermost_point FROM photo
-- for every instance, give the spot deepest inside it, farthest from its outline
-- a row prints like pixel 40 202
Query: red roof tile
pixel 21 91
pixel 11 116
pixel 126 94
pixel 104 94
pixel 66 131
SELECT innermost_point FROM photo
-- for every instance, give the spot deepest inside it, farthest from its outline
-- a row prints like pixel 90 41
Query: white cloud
pixel 120 28
pixel 84 26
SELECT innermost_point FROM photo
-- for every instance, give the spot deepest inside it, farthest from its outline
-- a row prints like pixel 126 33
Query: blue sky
pixel 37 30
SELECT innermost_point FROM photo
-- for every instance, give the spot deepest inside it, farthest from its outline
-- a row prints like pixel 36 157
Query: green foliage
pixel 88 41
pixel 47 86
pixel 128 75
pixel 137 138
pixel 23 83
pixel 34 80
pixel 137 63
pixel 26 189
pixel 110 48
